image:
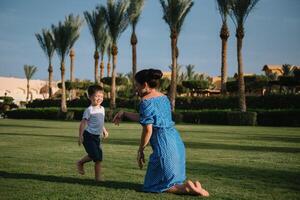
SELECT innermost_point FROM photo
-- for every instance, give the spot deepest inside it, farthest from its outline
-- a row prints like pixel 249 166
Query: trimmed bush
pixel 278 118
pixel 242 118
pixel 205 117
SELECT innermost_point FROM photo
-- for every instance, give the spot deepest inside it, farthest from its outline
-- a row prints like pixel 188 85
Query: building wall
pixel 17 87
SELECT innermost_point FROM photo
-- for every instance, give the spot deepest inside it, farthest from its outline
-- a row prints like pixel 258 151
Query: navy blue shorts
pixel 91 144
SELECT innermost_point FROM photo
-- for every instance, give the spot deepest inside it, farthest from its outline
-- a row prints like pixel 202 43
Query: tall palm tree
pixel 174 13
pixel 45 41
pixel 29 72
pixel 240 10
pixel 64 37
pixel 117 21
pixel 76 23
pixel 224 8
pixel 134 12
pixel 105 40
pixel 96 24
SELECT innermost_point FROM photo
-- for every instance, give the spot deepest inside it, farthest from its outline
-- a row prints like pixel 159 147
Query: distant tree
pixel 45 41
pixel 29 72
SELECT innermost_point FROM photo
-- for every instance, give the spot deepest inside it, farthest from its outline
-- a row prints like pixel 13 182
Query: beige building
pixel 16 88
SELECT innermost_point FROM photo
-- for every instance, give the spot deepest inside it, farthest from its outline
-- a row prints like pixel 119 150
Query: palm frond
pixel 175 11
pixel 116 17
pixel 224 8
pixel 96 23
pixel 45 41
pixel 240 10
pixel 29 71
pixel 134 11
pixel 65 35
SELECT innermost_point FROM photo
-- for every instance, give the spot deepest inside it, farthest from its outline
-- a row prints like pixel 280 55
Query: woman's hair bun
pixel 155 74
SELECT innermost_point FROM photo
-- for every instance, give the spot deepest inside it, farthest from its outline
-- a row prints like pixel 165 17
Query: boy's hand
pixel 105 134
pixel 80 140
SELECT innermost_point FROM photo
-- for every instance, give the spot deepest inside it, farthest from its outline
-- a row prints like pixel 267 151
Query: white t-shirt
pixel 95 119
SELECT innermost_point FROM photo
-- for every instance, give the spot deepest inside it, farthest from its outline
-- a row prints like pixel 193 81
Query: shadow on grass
pixel 192 145
pixel 71 180
pixel 34 126
pixel 272 177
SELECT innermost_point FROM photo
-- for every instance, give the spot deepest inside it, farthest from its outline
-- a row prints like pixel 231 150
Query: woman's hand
pixel 141 158
pixel 118 117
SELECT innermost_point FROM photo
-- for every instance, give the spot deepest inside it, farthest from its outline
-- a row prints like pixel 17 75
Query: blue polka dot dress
pixel 166 166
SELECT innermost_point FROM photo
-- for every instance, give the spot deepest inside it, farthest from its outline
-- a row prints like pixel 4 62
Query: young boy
pixel 90 129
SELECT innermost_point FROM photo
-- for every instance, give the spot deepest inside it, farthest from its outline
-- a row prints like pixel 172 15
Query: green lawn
pixel 37 161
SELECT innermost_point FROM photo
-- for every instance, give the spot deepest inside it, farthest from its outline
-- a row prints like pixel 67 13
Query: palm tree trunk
pixel 224 34
pixel 108 64
pixel 241 83
pixel 63 105
pixel 27 96
pixel 172 92
pixel 50 70
pixel 72 55
pixel 134 67
pixel 101 69
pixel 113 78
pixel 96 57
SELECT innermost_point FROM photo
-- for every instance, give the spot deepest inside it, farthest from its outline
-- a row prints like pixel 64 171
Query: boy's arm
pixel 105 133
pixel 81 130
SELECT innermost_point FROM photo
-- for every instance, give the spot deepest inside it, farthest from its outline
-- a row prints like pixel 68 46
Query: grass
pixel 37 161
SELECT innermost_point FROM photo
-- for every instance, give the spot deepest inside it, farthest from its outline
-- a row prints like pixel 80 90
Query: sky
pixel 272 36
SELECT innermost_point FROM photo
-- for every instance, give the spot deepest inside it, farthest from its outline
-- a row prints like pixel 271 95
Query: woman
pixel 166 167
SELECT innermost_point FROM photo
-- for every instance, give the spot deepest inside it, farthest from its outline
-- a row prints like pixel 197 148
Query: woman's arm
pixel 130 115
pixel 145 138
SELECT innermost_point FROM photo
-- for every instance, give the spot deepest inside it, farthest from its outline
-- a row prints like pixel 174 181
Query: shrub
pixel 242 118
pixel 278 118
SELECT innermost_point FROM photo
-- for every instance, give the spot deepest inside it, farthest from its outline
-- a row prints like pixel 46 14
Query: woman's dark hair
pixel 150 76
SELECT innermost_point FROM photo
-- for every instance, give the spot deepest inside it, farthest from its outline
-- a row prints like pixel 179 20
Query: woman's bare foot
pixel 202 191
pixel 80 168
pixel 191 188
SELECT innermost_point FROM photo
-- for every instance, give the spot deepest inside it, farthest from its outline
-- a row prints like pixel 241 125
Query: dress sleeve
pixel 86 114
pixel 146 113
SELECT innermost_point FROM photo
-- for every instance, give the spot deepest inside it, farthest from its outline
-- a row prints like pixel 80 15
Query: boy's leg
pixel 98 171
pixel 81 162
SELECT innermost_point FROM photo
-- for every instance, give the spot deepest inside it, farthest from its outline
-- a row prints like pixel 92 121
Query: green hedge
pixel 188 103
pixel 221 117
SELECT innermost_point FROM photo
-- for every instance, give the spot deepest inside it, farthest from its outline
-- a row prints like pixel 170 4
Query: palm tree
pixel 240 10
pixel 117 21
pixel 64 37
pixel 76 23
pixel 29 72
pixel 175 12
pixel 96 24
pixel 287 70
pixel 105 40
pixel 224 8
pixel 134 12
pixel 45 40
pixel 190 73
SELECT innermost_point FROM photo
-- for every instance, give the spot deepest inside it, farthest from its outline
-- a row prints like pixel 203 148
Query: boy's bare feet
pixel 201 191
pixel 80 168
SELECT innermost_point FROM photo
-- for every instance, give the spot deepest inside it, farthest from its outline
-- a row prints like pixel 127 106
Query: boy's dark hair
pixel 93 89
pixel 150 76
